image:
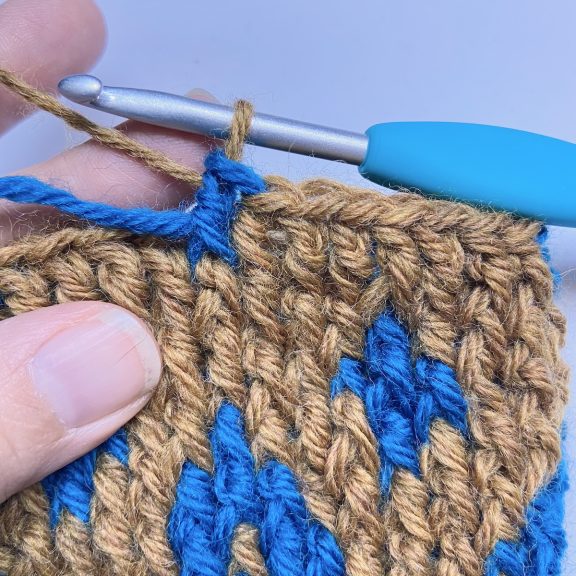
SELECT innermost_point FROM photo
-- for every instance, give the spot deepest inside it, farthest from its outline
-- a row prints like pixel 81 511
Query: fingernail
pixel 92 369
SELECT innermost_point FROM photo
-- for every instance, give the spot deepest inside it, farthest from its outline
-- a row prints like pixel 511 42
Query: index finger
pixel 43 40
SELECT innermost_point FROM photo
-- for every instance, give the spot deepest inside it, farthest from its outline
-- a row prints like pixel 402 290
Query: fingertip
pixel 85 26
pixel 91 16
pixel 94 172
pixel 51 34
pixel 44 40
pixel 72 375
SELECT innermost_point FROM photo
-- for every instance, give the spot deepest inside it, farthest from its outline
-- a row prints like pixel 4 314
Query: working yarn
pixel 354 384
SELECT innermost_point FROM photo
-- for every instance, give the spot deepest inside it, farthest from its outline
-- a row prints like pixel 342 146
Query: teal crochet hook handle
pixel 522 172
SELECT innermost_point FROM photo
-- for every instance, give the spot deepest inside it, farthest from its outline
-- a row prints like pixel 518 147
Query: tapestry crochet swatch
pixel 354 384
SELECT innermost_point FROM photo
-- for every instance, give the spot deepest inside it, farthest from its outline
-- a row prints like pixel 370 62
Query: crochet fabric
pixel 353 384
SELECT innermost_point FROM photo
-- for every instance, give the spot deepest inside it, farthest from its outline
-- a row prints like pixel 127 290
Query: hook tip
pixel 80 88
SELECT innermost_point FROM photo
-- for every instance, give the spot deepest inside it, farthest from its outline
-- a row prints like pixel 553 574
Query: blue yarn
pixel 292 543
pixel 393 431
pixel 72 487
pixel 402 397
pixel 324 555
pixel 208 508
pixel 391 397
pixel 117 445
pixel 169 224
pixel 438 396
pixel 191 524
pixel 282 535
pixel 206 225
pixel 542 543
pixel 234 478
pixel 223 184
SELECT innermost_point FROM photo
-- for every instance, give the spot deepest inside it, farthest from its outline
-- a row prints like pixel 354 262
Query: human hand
pixel 72 374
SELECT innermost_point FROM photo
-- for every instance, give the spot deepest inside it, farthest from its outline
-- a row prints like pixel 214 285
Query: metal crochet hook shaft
pixel 186 114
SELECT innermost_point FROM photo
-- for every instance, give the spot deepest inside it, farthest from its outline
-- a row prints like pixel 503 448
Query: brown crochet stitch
pixel 319 262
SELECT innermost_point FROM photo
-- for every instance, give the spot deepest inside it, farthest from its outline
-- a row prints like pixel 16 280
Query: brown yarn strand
pixel 26 544
pixel 246 555
pixel 271 405
pixel 454 512
pixel 353 463
pixel 307 370
pixel 318 262
pixel 239 129
pixel 110 137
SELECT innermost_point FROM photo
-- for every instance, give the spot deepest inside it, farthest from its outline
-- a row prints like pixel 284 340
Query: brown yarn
pixel 246 553
pixel 239 129
pixel 319 261
pixel 111 137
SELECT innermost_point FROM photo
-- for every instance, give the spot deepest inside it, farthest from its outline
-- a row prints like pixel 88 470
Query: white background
pixel 351 64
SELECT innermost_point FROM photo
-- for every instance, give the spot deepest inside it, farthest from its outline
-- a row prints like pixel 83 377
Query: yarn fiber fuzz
pixel 354 384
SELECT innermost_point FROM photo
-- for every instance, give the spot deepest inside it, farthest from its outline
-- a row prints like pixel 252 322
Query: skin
pixel 38 434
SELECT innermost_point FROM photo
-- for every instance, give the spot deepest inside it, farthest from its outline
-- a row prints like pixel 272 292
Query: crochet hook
pixel 500 168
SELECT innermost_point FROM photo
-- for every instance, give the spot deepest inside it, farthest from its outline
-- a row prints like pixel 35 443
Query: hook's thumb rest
pixel 512 170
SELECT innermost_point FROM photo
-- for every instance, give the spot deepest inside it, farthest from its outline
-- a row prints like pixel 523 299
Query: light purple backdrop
pixel 352 64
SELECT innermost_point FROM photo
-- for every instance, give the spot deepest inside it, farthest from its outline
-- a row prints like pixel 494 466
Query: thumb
pixel 70 376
